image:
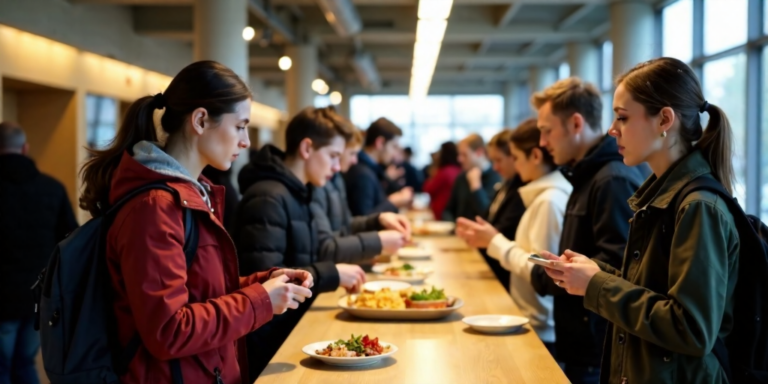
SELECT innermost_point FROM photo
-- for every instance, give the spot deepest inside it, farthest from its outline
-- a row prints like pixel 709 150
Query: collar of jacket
pixel 18 168
pixel 582 172
pixel 366 160
pixel 554 179
pixel 659 192
pixel 269 164
pixel 130 175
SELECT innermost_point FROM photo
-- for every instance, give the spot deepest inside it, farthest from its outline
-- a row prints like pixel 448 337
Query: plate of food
pixel 406 304
pixel 353 352
pixel 392 285
pixel 402 272
pixel 412 253
pixel 435 228
pixel 495 323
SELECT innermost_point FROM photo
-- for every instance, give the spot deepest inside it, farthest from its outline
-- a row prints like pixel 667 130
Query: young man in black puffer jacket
pixel 597 216
pixel 274 224
pixel 35 214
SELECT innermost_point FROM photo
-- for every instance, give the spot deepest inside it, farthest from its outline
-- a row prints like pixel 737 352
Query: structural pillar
pixel 219 33
pixel 584 61
pixel 298 79
pixel 510 104
pixel 343 108
pixel 541 78
pixel 632 34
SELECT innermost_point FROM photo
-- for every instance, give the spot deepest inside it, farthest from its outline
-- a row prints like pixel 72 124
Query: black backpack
pixel 74 297
pixel 744 354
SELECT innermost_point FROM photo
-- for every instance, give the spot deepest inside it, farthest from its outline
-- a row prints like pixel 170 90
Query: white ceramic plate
pixel 411 253
pixel 417 277
pixel 439 227
pixel 375 286
pixel 399 314
pixel 346 361
pixel 495 323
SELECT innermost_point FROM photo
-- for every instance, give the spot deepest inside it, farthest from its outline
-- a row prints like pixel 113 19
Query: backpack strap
pixel 703 183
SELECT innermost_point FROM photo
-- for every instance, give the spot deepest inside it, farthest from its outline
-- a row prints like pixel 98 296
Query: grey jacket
pixel 344 238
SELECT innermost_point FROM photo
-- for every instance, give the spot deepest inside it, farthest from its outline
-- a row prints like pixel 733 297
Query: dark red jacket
pixel 439 188
pixel 198 315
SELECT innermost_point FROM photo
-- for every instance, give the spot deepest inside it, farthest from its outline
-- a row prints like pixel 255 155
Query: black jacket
pixel 413 177
pixel 366 186
pixel 505 220
pixel 274 226
pixel 346 239
pixel 596 225
pixel 468 204
pixel 230 198
pixel 35 214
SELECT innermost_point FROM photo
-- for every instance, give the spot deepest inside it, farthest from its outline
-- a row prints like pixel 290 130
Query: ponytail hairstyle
pixel 668 82
pixel 203 84
pixel 526 137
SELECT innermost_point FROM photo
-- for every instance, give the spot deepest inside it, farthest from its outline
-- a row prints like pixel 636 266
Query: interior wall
pixel 50 121
pixel 9 108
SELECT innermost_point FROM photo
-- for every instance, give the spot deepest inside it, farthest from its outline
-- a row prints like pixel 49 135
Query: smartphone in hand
pixel 536 259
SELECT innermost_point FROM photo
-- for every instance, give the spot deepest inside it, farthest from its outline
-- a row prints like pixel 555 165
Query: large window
pixel 436 120
pixel 101 119
pixel 725 85
pixel 725 25
pixel 606 83
pixel 677 24
pixel 764 141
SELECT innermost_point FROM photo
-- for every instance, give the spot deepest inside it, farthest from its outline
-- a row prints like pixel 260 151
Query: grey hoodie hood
pixel 150 155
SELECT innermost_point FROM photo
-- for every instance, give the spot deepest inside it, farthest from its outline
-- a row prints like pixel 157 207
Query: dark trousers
pixel 579 374
pixel 19 343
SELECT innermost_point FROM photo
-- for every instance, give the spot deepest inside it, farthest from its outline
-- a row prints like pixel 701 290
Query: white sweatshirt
pixel 540 227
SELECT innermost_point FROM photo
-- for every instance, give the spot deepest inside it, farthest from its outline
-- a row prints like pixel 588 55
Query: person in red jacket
pixel 197 315
pixel 440 185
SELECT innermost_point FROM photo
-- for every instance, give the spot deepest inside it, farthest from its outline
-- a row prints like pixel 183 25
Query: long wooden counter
pixel 441 351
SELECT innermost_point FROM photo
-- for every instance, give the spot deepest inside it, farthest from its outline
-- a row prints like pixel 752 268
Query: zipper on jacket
pixel 217 372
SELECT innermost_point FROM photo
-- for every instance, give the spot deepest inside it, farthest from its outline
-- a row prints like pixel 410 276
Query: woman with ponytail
pixel 673 298
pixel 190 319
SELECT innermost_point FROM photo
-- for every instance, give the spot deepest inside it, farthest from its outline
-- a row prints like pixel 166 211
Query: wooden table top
pixel 437 351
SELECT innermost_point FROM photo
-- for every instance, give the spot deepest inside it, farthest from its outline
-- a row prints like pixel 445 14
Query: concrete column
pixel 343 108
pixel 584 60
pixel 541 78
pixel 632 34
pixel 219 33
pixel 510 104
pixel 298 79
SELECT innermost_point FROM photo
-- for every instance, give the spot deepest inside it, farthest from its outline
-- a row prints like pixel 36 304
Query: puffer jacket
pixel 197 315
pixel 345 239
pixel 666 309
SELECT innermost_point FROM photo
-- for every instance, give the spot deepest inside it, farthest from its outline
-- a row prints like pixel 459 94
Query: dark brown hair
pixel 500 141
pixel 381 128
pixel 668 82
pixel 320 125
pixel 526 137
pixel 204 84
pixel 448 155
pixel 569 96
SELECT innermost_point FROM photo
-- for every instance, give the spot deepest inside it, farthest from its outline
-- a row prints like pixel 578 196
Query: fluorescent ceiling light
pixel 435 9
pixel 431 31
pixel 424 50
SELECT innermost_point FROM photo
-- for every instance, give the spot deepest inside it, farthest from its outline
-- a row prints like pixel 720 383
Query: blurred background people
pixel 440 184
pixel 473 189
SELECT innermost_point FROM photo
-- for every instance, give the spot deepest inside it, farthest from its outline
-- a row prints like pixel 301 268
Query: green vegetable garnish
pixel 354 344
pixel 434 294
pixel 408 267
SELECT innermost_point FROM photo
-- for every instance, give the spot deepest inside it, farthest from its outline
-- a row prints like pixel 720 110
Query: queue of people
pixel 624 299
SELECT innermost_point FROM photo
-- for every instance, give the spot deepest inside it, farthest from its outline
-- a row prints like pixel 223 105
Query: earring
pixel 664 134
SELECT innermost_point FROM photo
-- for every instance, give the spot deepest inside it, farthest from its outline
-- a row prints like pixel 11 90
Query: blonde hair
pixel 356 139
pixel 569 96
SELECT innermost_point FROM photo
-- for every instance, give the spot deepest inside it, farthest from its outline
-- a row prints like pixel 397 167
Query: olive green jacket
pixel 667 311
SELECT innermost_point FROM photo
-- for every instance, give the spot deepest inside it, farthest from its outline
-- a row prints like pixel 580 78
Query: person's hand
pixel 477 234
pixel 351 277
pixel 391 241
pixel 400 223
pixel 394 172
pixel 402 197
pixel 284 295
pixel 296 276
pixel 474 178
pixel 572 271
